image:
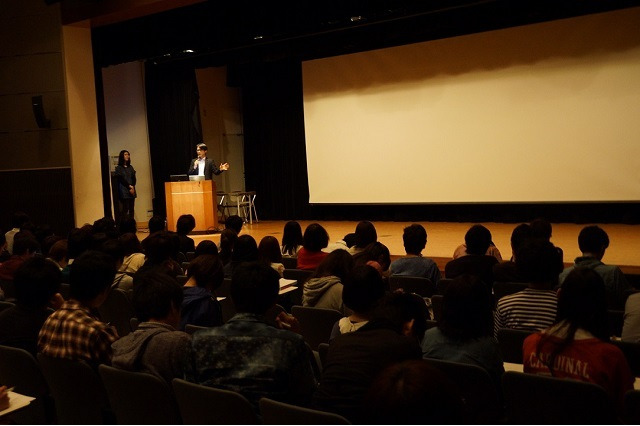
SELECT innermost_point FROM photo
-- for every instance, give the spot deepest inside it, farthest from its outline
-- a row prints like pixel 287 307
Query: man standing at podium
pixel 203 166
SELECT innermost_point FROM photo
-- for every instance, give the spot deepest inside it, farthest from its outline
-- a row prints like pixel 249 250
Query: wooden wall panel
pixel 26 35
pixel 32 73
pixel 34 150
pixel 16 113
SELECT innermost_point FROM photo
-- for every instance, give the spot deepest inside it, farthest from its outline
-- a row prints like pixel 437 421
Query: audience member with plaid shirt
pixel 73 331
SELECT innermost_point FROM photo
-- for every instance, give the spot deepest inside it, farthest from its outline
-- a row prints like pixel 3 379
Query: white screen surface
pixel 542 113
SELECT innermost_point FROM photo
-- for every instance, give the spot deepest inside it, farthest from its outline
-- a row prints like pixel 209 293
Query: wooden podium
pixel 196 198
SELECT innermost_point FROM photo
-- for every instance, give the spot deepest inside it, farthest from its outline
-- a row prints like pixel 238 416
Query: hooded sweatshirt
pixel 154 348
pixel 323 292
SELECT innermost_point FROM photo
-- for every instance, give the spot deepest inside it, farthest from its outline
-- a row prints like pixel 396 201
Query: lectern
pixel 192 197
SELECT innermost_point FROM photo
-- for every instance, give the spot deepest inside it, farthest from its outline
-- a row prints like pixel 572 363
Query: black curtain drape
pixel 173 117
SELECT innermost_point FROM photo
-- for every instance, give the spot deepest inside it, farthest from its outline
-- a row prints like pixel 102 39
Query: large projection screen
pixel 541 113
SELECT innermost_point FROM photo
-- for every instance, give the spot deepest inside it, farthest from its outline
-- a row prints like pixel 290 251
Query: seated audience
pixel 114 248
pixel 413 264
pixel 200 306
pixel 58 253
pixel 133 256
pixel 465 332
pixel 245 249
pixel 234 223
pixel 291 239
pixel 48 242
pixel 4 254
pixel 206 247
pixel 228 239
pixel 414 393
pixel 324 288
pixel 157 224
pixel 355 359
pixel 159 249
pixel 365 234
pixel 492 250
pixel 376 255
pixel 78 241
pixel 18 220
pixel 362 290
pixel 541 228
pixel 576 346
pixel 37 282
pixel 507 271
pixel 185 224
pixel 127 225
pixel 535 307
pixel 314 240
pixel 475 262
pixel 631 325
pixel 593 241
pixel 24 247
pixel 107 226
pixel 248 356
pixel 73 332
pixel 269 253
pixel 155 347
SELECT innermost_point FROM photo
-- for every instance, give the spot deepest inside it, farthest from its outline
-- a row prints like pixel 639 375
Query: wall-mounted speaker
pixel 38 112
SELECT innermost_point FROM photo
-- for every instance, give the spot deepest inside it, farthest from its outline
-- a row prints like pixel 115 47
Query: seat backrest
pixel 206 405
pixel 442 285
pixel 290 262
pixel 316 323
pixel 76 389
pixel 477 388
pixel 503 288
pixel 436 306
pixel 192 328
pixel 537 399
pixel 616 320
pixel 418 285
pixel 6 305
pixel 20 369
pixel 118 311
pixel 225 288
pixel 631 351
pixel 323 351
pixel 182 279
pixel 280 413
pixel 510 341
pixel 139 398
pixel 300 275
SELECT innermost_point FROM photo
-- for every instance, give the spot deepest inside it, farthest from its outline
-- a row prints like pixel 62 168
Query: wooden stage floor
pixel 444 237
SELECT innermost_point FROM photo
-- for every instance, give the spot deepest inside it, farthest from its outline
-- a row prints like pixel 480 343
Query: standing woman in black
pixel 126 175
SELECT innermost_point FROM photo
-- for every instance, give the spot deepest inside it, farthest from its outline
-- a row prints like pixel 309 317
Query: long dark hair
pixel 121 161
pixel 291 237
pixel 582 303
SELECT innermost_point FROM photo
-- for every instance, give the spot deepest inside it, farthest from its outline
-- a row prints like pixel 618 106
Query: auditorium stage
pixel 444 237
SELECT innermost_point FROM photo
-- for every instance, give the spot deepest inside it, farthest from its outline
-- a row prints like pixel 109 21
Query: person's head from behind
pixel 206 247
pixel 477 239
pixel 90 277
pixel 338 263
pixel 36 281
pixel 315 238
pixel 350 239
pixel 365 234
pixel 124 160
pixel 207 270
pixel 539 263
pixel 157 224
pixel 582 302
pixel 245 249
pixel 130 243
pixel 362 289
pixel 114 249
pixel 228 239
pixel 593 240
pixel 269 250
pixel 79 241
pixel 105 225
pixel 520 234
pixel 466 309
pixel 158 248
pixel 541 228
pixel 59 252
pixel 254 287
pixel 127 224
pixel 414 238
pixel 25 244
pixel 414 392
pixel 157 297
pixel 291 236
pixel 375 254
pixel 234 223
pixel 19 219
pixel 405 312
pixel 185 224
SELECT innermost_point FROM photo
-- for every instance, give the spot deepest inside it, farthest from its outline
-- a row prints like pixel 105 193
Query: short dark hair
pixel 228 239
pixel 399 308
pixel 467 309
pixel 541 228
pixel 36 281
pixel 127 224
pixel 130 243
pixel 202 146
pixel 107 226
pixel 234 223
pixel 269 250
pixel 59 250
pixel 185 224
pixel 539 261
pixel 157 223
pixel 365 234
pixel 79 241
pixel 90 275
pixel 477 239
pixel 337 263
pixel 414 238
pixel 245 249
pixel 592 239
pixel 19 219
pixel 206 247
pixel 362 289
pixel 254 287
pixel 315 237
pixel 158 247
pixel 113 248
pixel 207 270
pixel 23 242
pixel 520 234
pixel 376 252
pixel 154 294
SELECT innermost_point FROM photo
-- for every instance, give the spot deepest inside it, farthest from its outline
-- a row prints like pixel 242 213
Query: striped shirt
pixel 528 309
pixel 72 332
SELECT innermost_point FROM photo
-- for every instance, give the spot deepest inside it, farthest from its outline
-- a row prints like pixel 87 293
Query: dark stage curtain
pixel 173 117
